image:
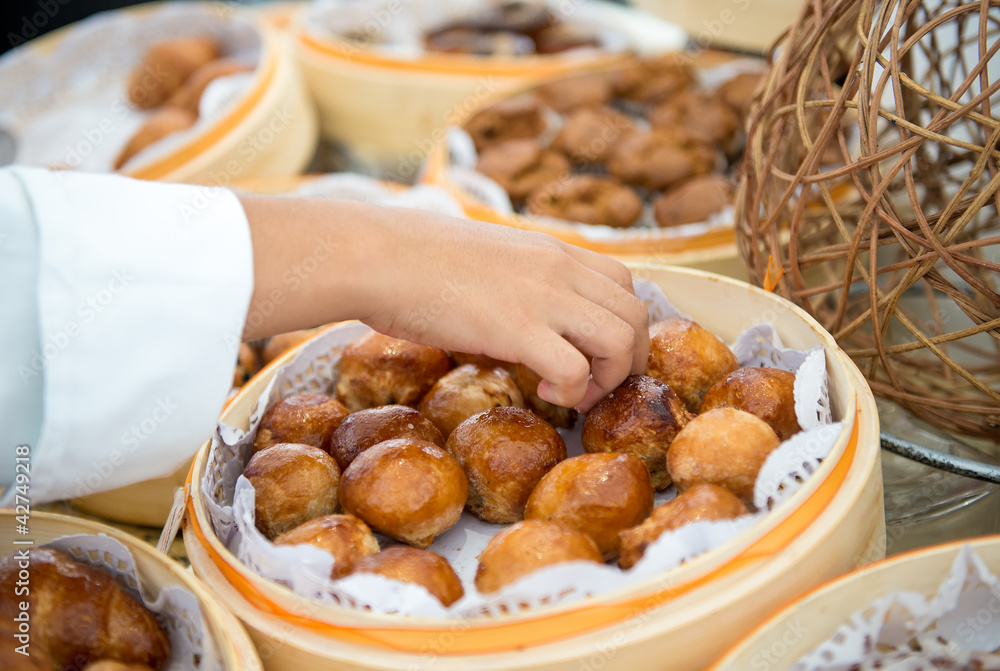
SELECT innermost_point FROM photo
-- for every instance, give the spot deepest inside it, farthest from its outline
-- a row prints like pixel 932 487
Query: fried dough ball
pixel 589 134
pixel 466 391
pixel 365 428
pixel 599 494
pixel 693 201
pixel 166 66
pixel 512 119
pixel 378 370
pixel 189 94
pixel 641 417
pixel 724 447
pixel 407 489
pixel 659 158
pixel 738 92
pixel 420 567
pixel 654 79
pixel 703 117
pixel 345 537
pixel 528 546
pixel 279 344
pixel 557 416
pixel 483 361
pixel 505 452
pixel 103 665
pixel 569 93
pixel 767 393
pixel 699 502
pixel 521 166
pixel 688 357
pixel 157 126
pixel 307 419
pixel 247 364
pixel 563 37
pixel 587 199
pixel 294 484
pixel 465 40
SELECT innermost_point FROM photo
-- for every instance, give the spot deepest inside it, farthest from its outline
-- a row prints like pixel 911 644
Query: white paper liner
pixel 69 107
pixel 351 186
pixel 176 608
pixel 907 631
pixel 305 569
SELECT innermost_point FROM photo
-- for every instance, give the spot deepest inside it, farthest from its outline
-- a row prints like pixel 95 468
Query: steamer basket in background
pixel 831 525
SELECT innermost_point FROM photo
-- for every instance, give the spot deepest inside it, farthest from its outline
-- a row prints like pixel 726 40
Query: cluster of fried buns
pixel 412 436
pixel 599 148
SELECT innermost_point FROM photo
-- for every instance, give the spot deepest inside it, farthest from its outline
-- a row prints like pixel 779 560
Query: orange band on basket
pixel 511 636
pixel 201 144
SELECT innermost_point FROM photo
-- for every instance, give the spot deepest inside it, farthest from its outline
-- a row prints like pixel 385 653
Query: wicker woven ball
pixel 870 197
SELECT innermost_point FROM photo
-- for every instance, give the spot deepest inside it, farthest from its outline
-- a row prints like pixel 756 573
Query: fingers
pixel 564 370
pixel 614 298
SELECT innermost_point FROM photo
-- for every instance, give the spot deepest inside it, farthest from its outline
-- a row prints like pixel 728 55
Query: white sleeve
pixel 142 292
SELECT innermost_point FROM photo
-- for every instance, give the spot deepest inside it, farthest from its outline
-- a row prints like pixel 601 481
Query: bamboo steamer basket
pixel 155 572
pixel 831 525
pixel 397 109
pixel 809 621
pixel 220 151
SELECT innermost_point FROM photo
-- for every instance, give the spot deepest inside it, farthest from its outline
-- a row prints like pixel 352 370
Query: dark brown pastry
pixel 564 37
pixel 410 490
pixel 641 417
pixel 366 428
pixel 724 447
pixel 521 166
pixel 466 391
pixel 465 40
pixel 589 134
pixel 654 79
pixel 568 93
pixel 659 158
pixel 689 358
pixel 111 665
pixel 165 68
pixel 527 546
pixel 378 370
pixel 157 126
pixel 247 365
pixel 345 537
pixel 281 343
pixel 512 119
pixel 699 502
pixel 693 201
pixel 293 484
pixel 557 416
pixel 767 393
pixel 189 94
pixel 598 494
pixel 420 567
pixel 704 118
pixel 505 452
pixel 307 419
pixel 739 91
pixel 79 613
pixel 587 199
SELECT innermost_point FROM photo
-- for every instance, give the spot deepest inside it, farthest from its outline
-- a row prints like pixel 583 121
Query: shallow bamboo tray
pixel 155 572
pixel 801 626
pixel 831 525
pixel 396 109
pixel 747 25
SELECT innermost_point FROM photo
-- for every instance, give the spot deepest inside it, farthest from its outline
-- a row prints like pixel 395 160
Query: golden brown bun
pixel 589 134
pixel 79 613
pixel 521 166
pixel 557 416
pixel 467 391
pixel 247 365
pixel 587 199
pixel 481 360
pixel 407 489
pixel 166 66
pixel 346 537
pixel 281 343
pixel 700 502
pixel 378 370
pixel 505 452
pixel 689 358
pixel 598 494
pixel 724 447
pixel 569 93
pixel 768 393
pixel 158 125
pixel 36 659
pixel 658 159
pixel 527 546
pixel 306 419
pixel 512 119
pixel 366 428
pixel 654 79
pixel 693 201
pixel 421 567
pixel 111 665
pixel 294 484
pixel 189 94
pixel 641 417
